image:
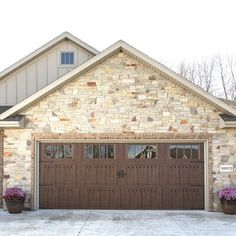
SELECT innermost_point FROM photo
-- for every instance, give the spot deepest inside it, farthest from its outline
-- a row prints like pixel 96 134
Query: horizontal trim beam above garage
pixel 119 140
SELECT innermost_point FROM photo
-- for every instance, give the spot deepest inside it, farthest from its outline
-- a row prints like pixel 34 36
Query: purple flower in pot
pixel 228 200
pixel 14 198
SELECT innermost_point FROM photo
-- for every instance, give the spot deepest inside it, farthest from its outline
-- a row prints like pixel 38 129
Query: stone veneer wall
pixel 1 166
pixel 17 160
pixel 119 97
pixel 224 152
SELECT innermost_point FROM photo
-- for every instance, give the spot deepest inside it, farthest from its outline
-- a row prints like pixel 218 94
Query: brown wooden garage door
pixel 122 176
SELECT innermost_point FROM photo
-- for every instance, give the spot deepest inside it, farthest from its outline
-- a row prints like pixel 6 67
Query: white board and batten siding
pixel 39 73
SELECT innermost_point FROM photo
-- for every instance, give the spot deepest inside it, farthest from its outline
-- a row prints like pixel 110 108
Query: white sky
pixel 167 30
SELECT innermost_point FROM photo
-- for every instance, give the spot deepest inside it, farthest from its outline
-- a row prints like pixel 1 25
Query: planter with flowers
pixel 228 200
pixel 14 198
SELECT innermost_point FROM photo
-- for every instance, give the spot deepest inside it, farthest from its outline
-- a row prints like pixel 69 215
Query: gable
pixel 121 94
pixel 134 53
pixel 40 69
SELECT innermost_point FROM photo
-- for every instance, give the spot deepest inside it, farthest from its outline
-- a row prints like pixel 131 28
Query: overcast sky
pixel 167 30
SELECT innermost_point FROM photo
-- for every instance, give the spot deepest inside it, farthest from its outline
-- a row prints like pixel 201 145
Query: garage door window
pixel 58 151
pixel 99 151
pixel 184 151
pixel 142 151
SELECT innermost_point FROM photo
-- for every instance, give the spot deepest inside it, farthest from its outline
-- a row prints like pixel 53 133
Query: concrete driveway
pixel 110 222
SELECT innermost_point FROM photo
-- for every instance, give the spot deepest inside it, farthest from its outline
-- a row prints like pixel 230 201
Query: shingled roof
pixel 4 108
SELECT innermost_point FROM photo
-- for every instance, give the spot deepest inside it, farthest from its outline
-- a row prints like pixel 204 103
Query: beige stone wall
pixel 17 160
pixel 120 96
pixel 224 152
pixel 1 166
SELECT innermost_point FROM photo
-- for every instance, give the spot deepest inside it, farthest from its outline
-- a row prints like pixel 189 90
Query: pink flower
pixel 228 193
pixel 14 194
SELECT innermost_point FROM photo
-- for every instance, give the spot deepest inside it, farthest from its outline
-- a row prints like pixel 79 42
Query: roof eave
pixel 226 124
pixel 11 124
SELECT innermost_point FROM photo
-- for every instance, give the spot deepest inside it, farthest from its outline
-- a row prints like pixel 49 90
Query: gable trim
pixel 119 46
pixel 45 47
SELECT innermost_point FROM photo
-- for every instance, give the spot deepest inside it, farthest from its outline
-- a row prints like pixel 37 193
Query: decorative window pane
pixel 103 151
pixel 180 152
pixel 63 58
pixel 95 151
pixel 142 151
pixel 187 151
pixel 58 151
pixel 71 58
pixel 89 151
pixel 184 151
pixel 173 151
pixel 195 151
pixel 67 58
pixel 99 151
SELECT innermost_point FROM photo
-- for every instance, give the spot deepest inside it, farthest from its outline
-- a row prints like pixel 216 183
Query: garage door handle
pixel 121 174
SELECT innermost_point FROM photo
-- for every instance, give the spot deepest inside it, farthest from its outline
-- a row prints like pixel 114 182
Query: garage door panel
pixel 100 175
pixel 44 196
pixel 197 175
pixel 67 198
pixel 99 198
pixel 46 175
pixel 183 198
pixel 198 198
pixel 185 174
pixel 141 198
pixel 54 174
pixel 64 174
pixel 143 175
pixel 178 198
pixel 58 198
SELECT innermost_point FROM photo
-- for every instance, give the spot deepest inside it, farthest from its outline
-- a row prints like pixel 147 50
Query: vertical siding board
pixel 62 71
pixel 3 93
pixel 11 91
pixel 52 67
pixel 21 85
pixel 42 72
pixel 82 56
pixel 32 79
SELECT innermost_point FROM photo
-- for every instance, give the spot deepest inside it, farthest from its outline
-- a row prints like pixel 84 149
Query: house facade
pixel 111 130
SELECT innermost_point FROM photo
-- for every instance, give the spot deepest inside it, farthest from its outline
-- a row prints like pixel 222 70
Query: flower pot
pixel 14 206
pixel 228 206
